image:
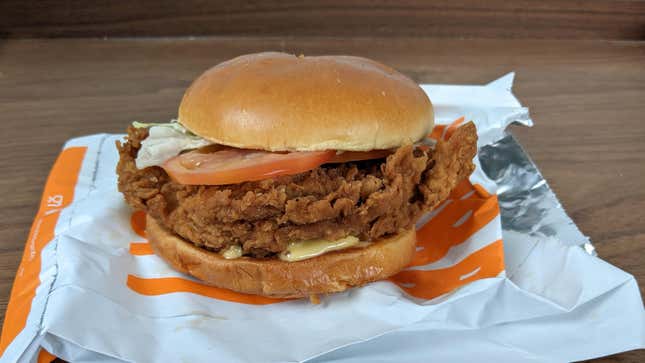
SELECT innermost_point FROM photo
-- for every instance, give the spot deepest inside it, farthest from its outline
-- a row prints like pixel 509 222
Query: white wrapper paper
pixel 550 301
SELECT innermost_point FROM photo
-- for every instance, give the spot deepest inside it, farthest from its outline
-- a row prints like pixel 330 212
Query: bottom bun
pixel 332 272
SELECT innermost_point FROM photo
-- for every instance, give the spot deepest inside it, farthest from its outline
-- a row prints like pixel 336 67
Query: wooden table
pixel 587 99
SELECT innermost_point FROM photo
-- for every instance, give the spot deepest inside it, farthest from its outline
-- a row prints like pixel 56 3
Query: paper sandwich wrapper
pixel 501 274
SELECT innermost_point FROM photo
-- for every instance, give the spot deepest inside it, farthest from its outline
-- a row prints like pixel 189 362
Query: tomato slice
pixel 348 156
pixel 232 166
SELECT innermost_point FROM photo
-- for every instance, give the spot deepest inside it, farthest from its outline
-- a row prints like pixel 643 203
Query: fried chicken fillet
pixel 369 199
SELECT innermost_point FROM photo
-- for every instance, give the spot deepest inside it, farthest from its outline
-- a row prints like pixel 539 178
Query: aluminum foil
pixel 528 206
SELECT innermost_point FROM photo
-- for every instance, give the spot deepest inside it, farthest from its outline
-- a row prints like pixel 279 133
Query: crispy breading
pixel 368 199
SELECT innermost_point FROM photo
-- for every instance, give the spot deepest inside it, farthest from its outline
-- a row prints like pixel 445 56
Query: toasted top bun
pixel 331 272
pixel 282 102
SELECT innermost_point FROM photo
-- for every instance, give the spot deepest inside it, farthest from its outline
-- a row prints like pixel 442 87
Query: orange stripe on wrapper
pixel 453 126
pixel 460 219
pixel 470 209
pixel 485 263
pixel 443 132
pixel 58 194
pixel 448 229
pixel 169 285
pixel 138 223
pixel 437 131
pixel 45 357
pixel 481 191
pixel 141 249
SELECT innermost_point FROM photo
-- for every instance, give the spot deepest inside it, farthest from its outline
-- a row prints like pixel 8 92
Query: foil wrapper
pixel 528 206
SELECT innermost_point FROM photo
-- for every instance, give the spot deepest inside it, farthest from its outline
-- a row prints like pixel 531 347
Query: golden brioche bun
pixel 281 102
pixel 331 272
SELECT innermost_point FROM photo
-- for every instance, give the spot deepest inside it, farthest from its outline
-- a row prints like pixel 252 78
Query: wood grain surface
pixel 553 19
pixel 586 97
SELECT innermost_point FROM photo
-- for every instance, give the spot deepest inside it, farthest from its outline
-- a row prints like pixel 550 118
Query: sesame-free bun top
pixel 281 102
